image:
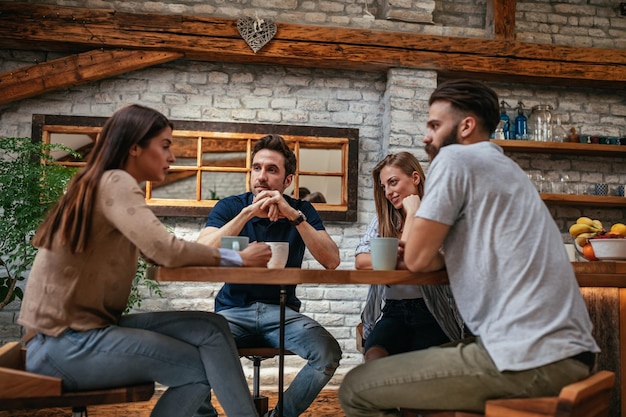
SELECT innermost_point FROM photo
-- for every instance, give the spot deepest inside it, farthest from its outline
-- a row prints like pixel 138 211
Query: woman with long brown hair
pixel 413 317
pixel 80 281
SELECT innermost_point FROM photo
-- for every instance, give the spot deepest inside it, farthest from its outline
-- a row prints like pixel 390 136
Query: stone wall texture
pixel 389 109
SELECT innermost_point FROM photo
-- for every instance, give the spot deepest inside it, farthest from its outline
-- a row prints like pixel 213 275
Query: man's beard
pixel 450 139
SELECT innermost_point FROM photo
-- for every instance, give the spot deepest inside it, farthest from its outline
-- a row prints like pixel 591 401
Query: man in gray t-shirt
pixel 515 289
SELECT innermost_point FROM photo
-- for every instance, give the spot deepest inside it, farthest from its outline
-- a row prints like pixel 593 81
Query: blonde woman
pixel 413 317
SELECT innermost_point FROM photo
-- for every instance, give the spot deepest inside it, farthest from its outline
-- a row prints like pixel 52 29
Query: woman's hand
pixel 400 264
pixel 411 203
pixel 256 254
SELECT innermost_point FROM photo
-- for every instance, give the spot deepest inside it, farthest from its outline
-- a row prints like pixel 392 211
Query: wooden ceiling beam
pixel 501 18
pixel 72 30
pixel 75 69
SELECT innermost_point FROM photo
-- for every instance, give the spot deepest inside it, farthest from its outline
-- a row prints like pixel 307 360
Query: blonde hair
pixel 390 219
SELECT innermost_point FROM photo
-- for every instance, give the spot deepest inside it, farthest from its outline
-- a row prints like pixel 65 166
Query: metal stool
pixel 257 355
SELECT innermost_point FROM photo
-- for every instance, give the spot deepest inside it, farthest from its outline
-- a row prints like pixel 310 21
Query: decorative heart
pixel 256 32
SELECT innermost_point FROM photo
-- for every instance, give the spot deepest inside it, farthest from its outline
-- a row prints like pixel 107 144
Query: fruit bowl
pixel 609 249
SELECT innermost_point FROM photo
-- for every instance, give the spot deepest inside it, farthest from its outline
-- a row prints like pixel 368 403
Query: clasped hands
pixel 272 205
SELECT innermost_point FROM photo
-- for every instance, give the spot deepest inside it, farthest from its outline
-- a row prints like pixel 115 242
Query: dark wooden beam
pixel 75 69
pixel 502 13
pixel 71 30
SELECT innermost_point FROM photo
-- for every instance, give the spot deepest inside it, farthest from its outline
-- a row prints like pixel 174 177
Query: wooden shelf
pixel 583 200
pixel 560 147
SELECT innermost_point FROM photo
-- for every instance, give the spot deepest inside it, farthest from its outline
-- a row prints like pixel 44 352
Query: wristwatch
pixel 301 218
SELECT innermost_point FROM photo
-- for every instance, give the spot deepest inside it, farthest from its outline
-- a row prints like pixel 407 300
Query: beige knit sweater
pixel 90 289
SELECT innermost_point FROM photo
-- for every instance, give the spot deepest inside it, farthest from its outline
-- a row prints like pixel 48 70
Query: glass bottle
pixel 521 123
pixel 505 123
pixel 559 134
pixel 540 123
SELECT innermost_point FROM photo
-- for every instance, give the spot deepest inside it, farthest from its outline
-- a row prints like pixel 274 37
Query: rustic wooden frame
pixel 346 139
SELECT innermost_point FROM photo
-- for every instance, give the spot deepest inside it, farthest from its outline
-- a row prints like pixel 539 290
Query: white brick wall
pixel 389 110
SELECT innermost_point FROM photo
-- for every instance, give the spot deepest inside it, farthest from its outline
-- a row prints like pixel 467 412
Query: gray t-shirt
pixel 508 269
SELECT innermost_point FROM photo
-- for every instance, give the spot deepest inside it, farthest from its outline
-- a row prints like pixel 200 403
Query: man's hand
pixel 273 205
pixel 256 254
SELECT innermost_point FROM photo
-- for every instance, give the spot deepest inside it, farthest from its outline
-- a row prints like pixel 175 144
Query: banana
pixel 583 238
pixel 585 220
pixel 598 225
pixel 576 229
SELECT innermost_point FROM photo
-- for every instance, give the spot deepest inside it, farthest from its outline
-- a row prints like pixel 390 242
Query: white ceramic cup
pixel 384 253
pixel 234 242
pixel 280 253
pixel 571 251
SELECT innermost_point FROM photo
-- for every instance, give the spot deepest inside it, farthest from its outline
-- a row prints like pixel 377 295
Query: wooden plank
pixel 103 26
pixel 604 309
pixel 215 39
pixel 292 276
pixel 21 384
pixel 10 355
pixel 74 70
pixel 621 372
pixel 17 383
pixel 503 12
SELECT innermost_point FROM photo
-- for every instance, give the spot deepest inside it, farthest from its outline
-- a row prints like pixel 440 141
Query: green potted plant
pixel 30 183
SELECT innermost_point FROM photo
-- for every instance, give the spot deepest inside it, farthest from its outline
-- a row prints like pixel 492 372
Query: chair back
pixel 587 398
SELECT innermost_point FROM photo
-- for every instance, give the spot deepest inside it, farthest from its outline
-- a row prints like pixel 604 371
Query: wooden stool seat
pixel 20 389
pixel 587 398
pixel 438 413
pixel 257 355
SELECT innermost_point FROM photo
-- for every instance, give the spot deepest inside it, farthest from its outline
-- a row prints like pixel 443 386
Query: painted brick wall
pixel 389 109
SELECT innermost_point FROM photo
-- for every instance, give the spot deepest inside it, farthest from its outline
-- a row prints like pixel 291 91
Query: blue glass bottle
pixel 505 121
pixel 521 123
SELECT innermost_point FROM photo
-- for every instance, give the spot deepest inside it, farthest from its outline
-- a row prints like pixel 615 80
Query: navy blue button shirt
pixel 262 230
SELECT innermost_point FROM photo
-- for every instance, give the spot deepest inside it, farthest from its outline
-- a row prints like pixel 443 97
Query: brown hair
pixel 71 216
pixel 473 97
pixel 277 143
pixel 390 219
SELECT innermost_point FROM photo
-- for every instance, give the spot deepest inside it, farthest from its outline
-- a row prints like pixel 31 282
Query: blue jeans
pixel 460 377
pixel 257 325
pixel 187 351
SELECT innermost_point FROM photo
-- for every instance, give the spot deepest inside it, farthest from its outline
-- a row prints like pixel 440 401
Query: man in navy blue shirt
pixel 264 215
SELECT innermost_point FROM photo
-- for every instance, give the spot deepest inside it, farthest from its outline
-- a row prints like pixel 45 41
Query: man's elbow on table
pixel 423 263
pixel 421 254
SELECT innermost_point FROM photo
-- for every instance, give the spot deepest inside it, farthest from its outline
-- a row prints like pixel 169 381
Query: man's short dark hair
pixel 277 143
pixel 472 97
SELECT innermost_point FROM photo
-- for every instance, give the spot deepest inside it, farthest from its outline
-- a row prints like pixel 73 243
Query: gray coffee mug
pixel 234 242
pixel 384 253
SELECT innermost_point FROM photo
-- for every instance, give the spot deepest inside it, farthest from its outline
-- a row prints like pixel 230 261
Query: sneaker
pixel 271 413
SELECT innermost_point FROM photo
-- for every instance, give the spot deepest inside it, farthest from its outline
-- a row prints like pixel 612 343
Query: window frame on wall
pixel 298 138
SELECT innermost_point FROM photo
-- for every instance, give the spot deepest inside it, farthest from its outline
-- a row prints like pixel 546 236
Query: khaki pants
pixel 461 377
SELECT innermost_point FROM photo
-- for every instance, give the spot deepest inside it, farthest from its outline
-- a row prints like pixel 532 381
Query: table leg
pixel 281 349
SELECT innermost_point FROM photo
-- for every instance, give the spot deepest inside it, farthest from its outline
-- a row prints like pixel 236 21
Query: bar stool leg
pixel 260 402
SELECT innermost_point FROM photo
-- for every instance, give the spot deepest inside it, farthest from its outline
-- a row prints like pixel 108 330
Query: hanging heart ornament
pixel 256 32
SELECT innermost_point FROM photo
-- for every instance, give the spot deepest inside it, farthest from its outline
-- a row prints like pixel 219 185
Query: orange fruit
pixel 588 252
pixel 619 228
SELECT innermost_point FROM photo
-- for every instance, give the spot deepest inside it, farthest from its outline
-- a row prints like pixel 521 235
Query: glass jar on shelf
pixel 540 123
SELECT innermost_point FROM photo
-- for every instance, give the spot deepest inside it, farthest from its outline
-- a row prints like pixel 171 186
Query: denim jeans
pixel 189 352
pixel 461 377
pixel 258 325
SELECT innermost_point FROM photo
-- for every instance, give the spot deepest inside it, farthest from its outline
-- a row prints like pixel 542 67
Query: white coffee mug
pixel 234 242
pixel 280 254
pixel 384 253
